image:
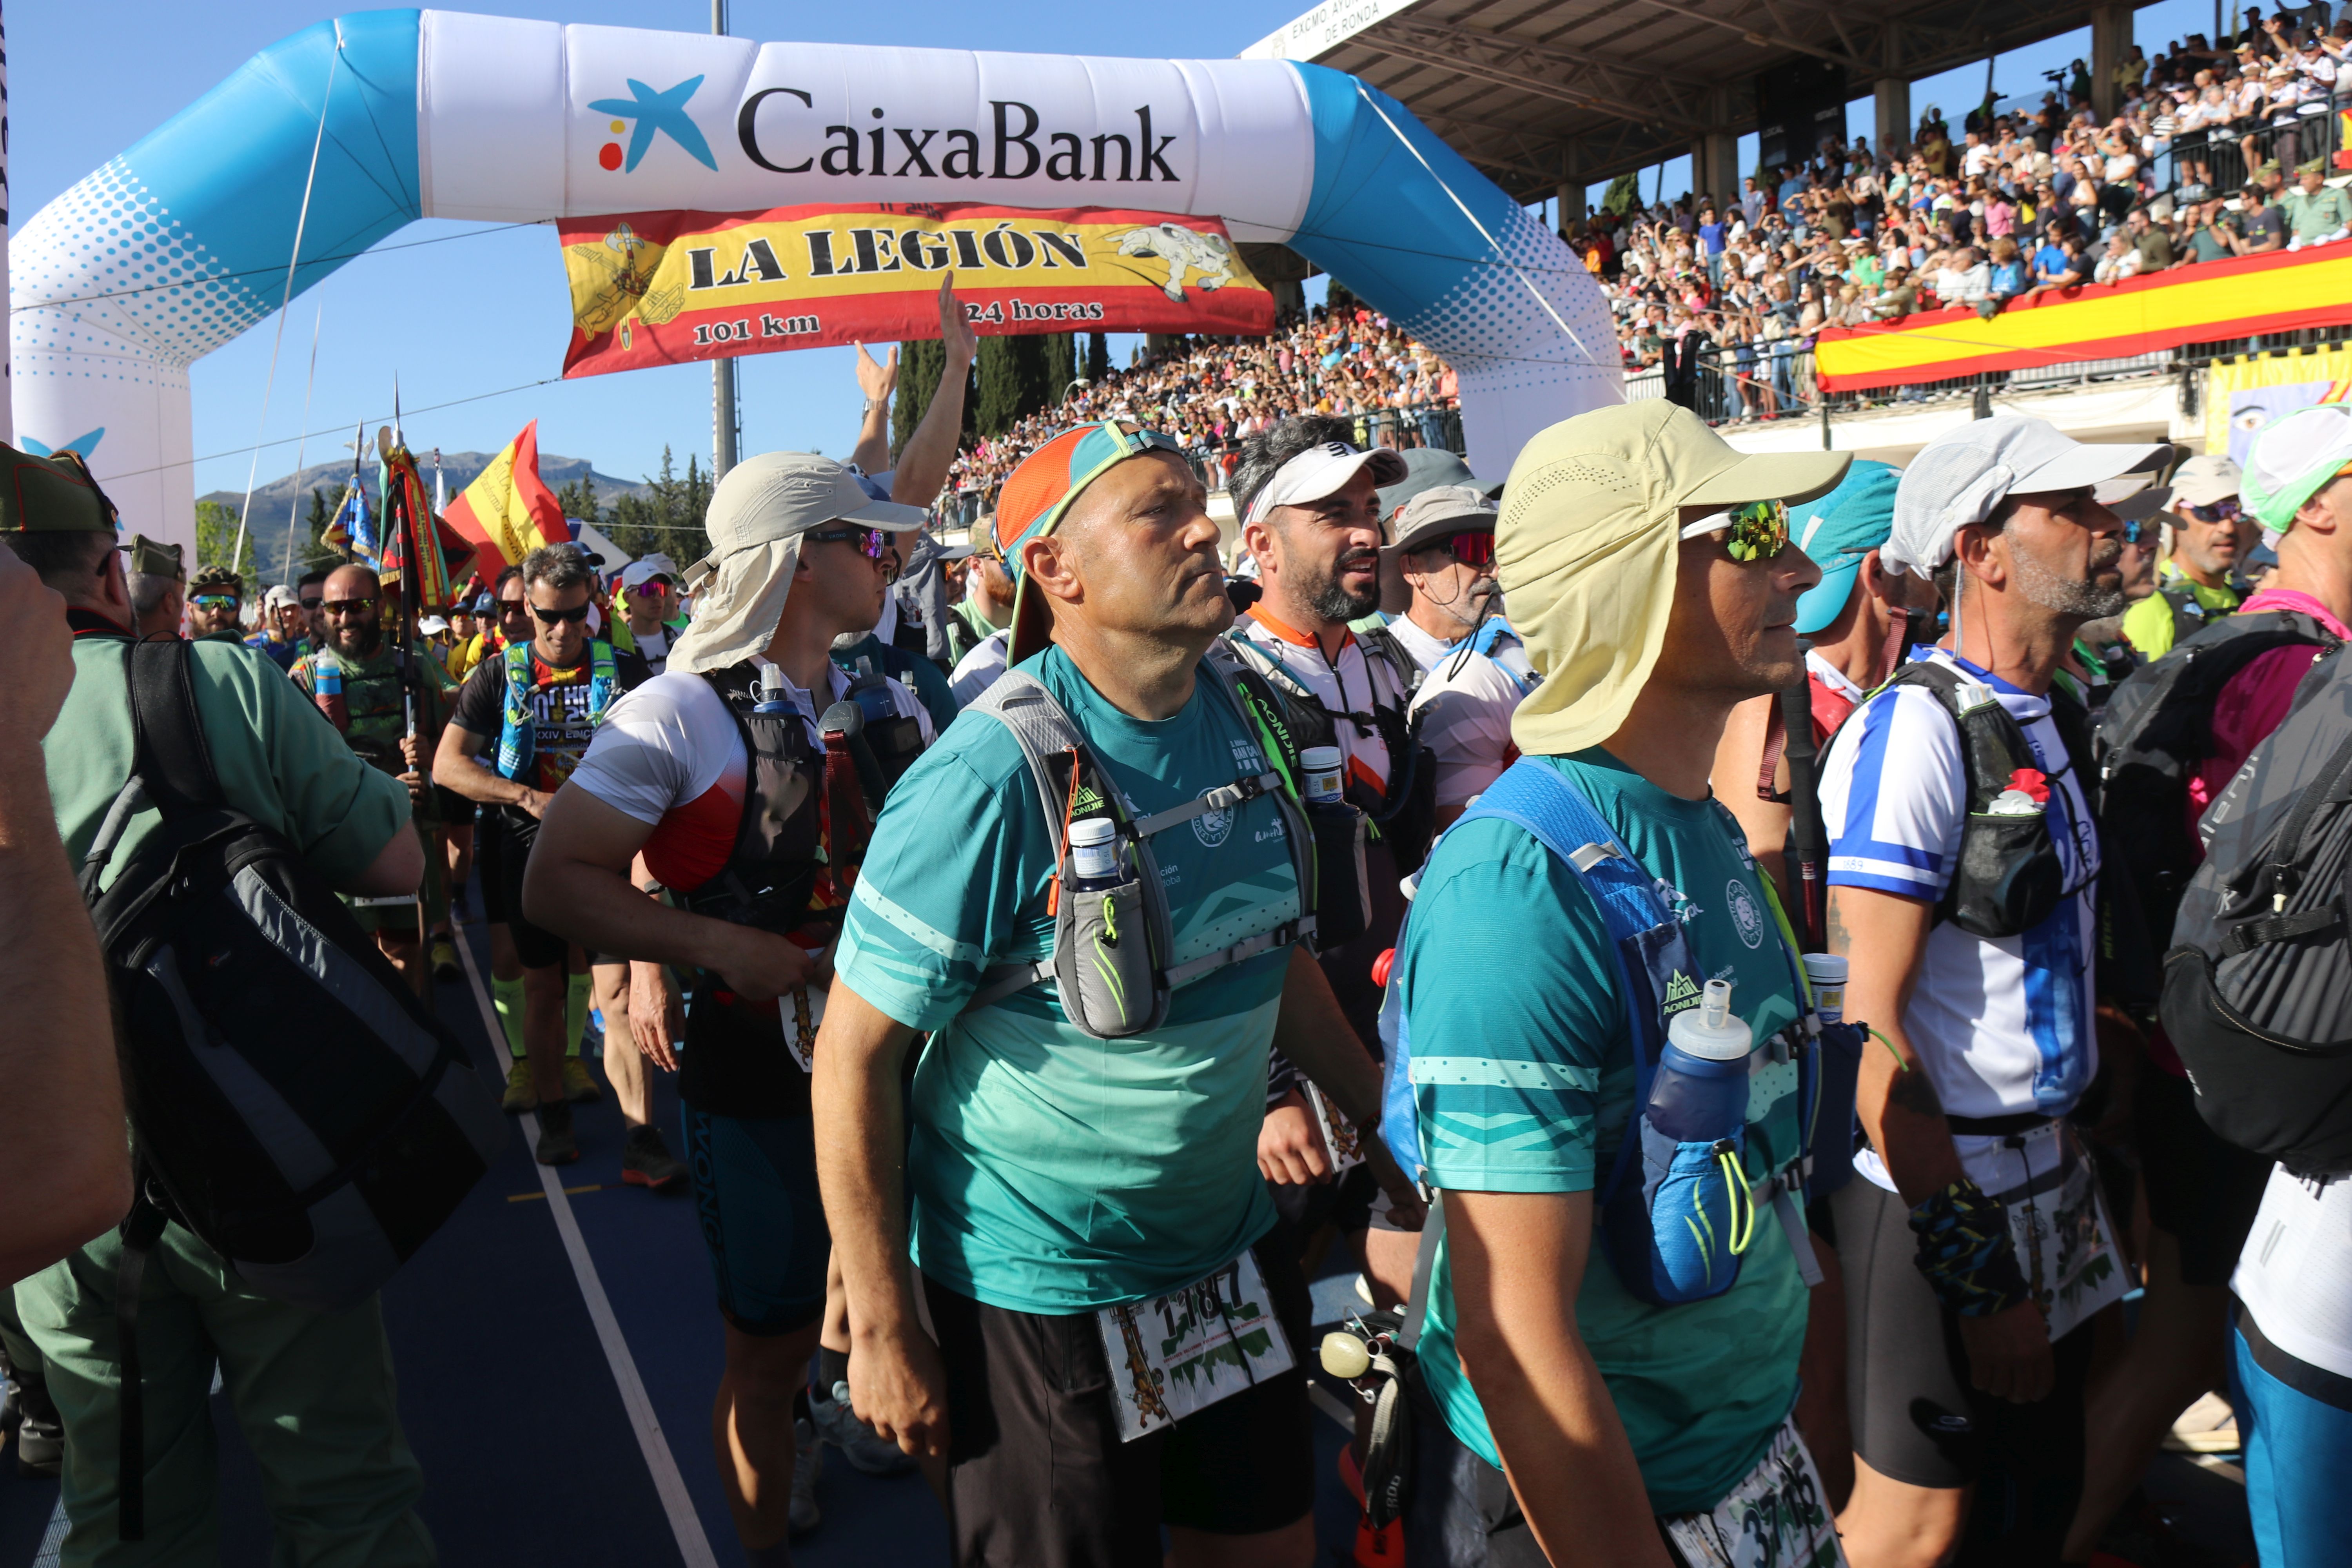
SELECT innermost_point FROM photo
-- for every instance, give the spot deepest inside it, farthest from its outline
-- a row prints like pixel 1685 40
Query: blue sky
pixel 480 310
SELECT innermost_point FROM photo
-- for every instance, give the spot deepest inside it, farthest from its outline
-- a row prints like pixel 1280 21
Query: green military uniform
pixel 376 717
pixel 153 558
pixel 312 1391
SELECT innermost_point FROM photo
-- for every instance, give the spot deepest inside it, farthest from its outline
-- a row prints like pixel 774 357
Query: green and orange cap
pixel 1038 495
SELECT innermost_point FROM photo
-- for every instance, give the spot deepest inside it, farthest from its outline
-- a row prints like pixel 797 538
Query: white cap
pixel 432 626
pixel 279 597
pixel 1960 477
pixel 2205 479
pixel 2291 459
pixel 647 567
pixel 1320 471
pixel 777 496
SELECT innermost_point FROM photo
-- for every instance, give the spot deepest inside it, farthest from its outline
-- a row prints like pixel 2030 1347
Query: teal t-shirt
pixel 1052 1172
pixel 1513 1009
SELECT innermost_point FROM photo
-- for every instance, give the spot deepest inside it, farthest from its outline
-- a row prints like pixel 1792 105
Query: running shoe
pixel 26 1410
pixel 557 1146
pixel 520 1094
pixel 838 1425
pixel 579 1087
pixel 445 961
pixel 647 1162
pixel 808 1459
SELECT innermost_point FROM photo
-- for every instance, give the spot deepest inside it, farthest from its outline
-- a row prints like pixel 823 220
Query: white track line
pixel 693 1545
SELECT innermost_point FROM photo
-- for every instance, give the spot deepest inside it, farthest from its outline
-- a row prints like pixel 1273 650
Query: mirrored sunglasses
pixel 1472 547
pixel 1757 531
pixel 215 601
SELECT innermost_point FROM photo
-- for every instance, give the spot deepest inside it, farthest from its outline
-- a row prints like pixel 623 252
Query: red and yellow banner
pixel 2280 292
pixel 509 511
pixel 652 288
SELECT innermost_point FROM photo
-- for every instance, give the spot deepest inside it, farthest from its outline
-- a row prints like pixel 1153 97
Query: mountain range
pixel 275 503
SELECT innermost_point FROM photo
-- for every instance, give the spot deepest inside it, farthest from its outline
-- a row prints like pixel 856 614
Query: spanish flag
pixel 509 511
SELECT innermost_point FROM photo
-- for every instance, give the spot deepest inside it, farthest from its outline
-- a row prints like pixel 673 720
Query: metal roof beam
pixel 1866 71
pixel 1420 53
pixel 1583 62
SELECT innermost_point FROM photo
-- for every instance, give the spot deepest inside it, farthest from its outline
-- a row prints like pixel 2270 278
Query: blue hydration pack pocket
pixel 1675 1230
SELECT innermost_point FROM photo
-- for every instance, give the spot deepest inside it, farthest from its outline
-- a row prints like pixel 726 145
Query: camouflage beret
pixel 213 578
pixel 50 495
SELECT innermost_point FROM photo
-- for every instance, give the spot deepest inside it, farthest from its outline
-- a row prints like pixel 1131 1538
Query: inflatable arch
pixel 183 241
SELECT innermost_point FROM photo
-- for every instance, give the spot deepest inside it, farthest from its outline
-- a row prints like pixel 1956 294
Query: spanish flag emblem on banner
pixel 2282 291
pixel 509 511
pixel 652 288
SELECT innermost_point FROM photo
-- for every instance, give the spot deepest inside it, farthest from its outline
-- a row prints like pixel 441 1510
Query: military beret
pixel 215 577
pixel 154 558
pixel 50 495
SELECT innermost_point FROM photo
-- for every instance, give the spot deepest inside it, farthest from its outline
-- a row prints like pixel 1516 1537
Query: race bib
pixel 802 1009
pixel 1340 1139
pixel 1775 1518
pixel 2065 1242
pixel 1186 1350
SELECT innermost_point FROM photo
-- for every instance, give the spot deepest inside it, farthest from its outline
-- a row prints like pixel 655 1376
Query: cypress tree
pixel 1097 357
pixel 919 364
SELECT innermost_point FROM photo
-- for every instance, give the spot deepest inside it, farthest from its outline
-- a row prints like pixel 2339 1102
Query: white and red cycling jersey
pixel 669 753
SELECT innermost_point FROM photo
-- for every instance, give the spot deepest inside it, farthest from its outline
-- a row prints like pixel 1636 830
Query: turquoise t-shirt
pixel 1052 1172
pixel 1512 1005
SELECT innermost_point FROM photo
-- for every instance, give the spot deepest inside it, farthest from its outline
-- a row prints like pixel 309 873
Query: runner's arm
pixel 63 1160
pixel 455 768
pixel 895 1381
pixel 1519 1260
pixel 923 462
pixel 1313 1033
pixel 577 885
pixel 1883 937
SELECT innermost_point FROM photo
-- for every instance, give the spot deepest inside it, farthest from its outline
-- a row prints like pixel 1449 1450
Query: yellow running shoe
pixel 521 1095
pixel 579 1087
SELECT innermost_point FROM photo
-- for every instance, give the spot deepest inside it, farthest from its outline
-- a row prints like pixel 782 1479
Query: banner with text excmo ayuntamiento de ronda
pixel 660 288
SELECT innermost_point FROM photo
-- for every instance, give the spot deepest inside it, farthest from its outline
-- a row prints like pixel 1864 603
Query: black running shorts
pixel 503 851
pixel 1037 1474
pixel 1918 1418
pixel 2200 1190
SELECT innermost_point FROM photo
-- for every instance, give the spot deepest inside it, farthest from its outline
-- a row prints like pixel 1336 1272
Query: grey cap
pixel 776 495
pixel 1425 468
pixel 1440 512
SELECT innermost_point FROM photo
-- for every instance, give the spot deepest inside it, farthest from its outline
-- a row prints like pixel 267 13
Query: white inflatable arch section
pixel 183 241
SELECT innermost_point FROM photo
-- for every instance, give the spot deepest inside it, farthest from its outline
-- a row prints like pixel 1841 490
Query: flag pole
pixel 402 524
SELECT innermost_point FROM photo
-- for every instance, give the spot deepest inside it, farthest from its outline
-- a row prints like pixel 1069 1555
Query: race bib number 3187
pixel 1186 1350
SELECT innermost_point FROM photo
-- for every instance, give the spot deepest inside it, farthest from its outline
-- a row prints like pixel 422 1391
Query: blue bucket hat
pixel 1837 532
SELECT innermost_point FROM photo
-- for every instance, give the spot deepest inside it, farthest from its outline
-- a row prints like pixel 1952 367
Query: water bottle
pixel 772 700
pixel 872 692
pixel 1700 1094
pixel 1826 971
pixel 327 688
pixel 1343 910
pixel 1093 855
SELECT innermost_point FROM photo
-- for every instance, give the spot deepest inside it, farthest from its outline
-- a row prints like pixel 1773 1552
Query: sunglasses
pixel 1757 532
pixel 2139 530
pixel 512 606
pixel 215 601
pixel 870 542
pixel 347 606
pixel 657 587
pixel 2220 511
pixel 557 617
pixel 313 604
pixel 1472 547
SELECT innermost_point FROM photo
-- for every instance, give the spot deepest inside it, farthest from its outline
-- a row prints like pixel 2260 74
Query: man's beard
pixel 1330 599
pixel 2087 601
pixel 365 641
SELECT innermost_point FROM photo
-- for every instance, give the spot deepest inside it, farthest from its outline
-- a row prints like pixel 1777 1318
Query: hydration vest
pixel 1676 1218
pixel 517 745
pixel 769 877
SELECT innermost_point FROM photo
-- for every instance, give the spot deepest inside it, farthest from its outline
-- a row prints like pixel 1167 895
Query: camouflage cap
pixel 153 557
pixel 214 578
pixel 50 495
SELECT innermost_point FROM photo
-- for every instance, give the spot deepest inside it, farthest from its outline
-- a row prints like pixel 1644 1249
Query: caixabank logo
pixel 1015 146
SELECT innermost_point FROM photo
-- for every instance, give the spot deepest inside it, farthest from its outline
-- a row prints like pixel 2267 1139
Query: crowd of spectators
pixel 2215 151
pixel 1211 393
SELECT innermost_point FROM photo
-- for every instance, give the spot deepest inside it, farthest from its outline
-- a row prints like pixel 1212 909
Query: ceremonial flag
pixel 509 511
pixel 663 288
pixel 441 551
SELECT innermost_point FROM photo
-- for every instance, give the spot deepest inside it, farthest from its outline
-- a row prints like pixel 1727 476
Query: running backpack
pixel 2157 725
pixel 292 1101
pixel 1675 1222
pixel 1109 963
pixel 2258 984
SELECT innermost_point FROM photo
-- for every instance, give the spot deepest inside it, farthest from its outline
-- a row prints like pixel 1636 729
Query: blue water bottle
pixel 772 700
pixel 1700 1093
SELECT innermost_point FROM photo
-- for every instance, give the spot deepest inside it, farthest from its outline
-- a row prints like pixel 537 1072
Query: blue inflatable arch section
pixel 182 241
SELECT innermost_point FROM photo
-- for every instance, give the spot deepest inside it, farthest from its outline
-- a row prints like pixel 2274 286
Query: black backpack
pixel 2258 984
pixel 292 1101
pixel 2158 726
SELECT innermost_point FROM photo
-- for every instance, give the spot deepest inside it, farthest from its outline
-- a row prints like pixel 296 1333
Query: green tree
pixel 919 364
pixel 578 500
pixel 1098 356
pixel 1060 368
pixel 667 516
pixel 216 536
pixel 1623 195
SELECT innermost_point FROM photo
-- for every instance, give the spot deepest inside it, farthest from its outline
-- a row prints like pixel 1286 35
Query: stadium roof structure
pixel 1541 94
